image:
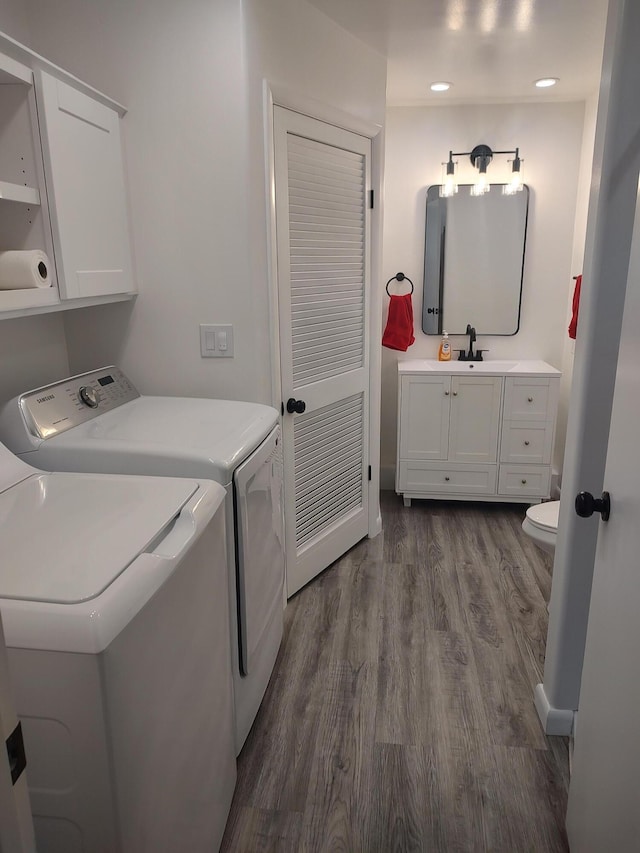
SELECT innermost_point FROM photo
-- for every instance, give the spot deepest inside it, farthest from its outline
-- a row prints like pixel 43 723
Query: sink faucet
pixel 472 337
pixel 470 355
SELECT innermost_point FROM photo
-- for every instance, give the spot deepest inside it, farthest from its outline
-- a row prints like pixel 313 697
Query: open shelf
pixel 17 192
pixel 12 72
pixel 28 299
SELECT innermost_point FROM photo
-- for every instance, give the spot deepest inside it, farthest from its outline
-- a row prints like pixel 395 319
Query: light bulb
pixel 449 183
pixel 481 185
pixel 515 184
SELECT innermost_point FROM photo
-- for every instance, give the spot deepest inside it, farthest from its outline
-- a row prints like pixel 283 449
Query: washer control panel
pixel 55 408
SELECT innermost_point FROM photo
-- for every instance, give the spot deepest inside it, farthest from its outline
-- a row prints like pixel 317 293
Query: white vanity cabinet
pixel 62 185
pixel 469 431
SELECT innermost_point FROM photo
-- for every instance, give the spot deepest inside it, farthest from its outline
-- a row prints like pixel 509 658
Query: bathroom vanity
pixel 476 430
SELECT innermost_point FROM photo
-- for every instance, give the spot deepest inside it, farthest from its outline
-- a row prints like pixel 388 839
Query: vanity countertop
pixel 495 367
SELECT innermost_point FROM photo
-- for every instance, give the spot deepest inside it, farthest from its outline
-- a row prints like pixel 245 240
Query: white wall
pixel 178 67
pixel 32 353
pixel 194 147
pixel 418 140
pixel 291 43
pixel 13 19
pixel 32 350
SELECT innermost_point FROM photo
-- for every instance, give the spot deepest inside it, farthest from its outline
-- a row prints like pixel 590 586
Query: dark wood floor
pixel 400 713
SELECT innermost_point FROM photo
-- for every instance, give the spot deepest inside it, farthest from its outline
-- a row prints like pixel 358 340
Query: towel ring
pixel 399 276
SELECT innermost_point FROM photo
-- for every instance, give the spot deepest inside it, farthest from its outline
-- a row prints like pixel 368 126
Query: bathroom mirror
pixel 474 261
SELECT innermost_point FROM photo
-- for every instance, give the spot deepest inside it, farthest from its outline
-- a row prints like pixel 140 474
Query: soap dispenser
pixel 444 351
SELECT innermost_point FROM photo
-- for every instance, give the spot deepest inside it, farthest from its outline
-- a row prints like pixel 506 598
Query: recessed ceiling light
pixel 545 82
pixel 440 86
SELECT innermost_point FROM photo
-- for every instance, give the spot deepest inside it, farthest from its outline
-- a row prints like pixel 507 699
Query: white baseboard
pixel 377 528
pixel 555 721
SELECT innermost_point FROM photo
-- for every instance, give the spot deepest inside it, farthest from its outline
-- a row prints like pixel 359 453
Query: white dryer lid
pixel 170 436
pixel 545 515
pixel 66 537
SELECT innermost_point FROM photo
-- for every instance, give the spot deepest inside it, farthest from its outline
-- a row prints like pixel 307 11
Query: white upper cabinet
pixel 62 186
pixel 85 178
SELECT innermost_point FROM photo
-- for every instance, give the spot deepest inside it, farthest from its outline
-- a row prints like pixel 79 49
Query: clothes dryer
pixel 113 593
pixel 99 422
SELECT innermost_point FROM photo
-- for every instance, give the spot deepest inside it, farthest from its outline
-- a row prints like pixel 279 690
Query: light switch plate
pixel 216 341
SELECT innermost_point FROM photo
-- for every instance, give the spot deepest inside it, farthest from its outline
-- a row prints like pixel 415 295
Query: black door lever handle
pixel 586 505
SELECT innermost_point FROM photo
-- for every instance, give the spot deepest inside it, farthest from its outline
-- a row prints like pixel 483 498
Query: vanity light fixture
pixel 480 157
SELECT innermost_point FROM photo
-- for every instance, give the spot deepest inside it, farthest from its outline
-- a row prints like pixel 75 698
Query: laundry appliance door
pixel 258 497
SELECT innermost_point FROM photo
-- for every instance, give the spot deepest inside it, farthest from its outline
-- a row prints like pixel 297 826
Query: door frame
pixel 281 96
pixel 612 200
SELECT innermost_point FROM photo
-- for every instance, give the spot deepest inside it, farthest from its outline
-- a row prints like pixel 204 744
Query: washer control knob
pixel 89 396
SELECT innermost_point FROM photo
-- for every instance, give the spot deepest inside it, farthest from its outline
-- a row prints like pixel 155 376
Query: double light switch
pixel 216 341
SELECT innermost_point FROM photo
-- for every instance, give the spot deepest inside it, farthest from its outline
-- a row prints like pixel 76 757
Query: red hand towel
pixel 398 333
pixel 573 325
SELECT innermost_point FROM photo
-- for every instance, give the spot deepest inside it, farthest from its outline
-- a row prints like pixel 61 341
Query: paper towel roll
pixel 21 270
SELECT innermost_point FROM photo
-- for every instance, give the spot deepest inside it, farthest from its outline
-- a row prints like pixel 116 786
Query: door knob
pixel 297 406
pixel 586 505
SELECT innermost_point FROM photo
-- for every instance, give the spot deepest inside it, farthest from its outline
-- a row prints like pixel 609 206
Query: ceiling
pixel 491 50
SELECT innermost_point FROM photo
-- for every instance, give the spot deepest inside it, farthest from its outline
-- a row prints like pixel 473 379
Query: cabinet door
pixel 424 417
pixel 475 418
pixel 85 181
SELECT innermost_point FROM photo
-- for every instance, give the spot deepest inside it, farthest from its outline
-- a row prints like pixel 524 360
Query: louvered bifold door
pixel 322 225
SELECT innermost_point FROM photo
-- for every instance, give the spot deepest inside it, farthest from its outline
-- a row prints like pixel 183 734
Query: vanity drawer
pixel 456 478
pixel 529 399
pixel 525 480
pixel 528 443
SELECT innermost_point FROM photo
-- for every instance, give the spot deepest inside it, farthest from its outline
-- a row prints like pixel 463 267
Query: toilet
pixel 541 524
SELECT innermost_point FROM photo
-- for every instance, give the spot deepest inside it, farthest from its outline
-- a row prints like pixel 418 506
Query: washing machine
pixel 113 593
pixel 98 422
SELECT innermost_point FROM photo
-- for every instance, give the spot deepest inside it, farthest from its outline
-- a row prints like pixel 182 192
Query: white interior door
pixel 322 177
pixel 16 825
pixel 604 796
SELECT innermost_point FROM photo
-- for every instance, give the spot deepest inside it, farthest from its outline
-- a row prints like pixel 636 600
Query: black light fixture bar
pixel 485 154
pixel 480 157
